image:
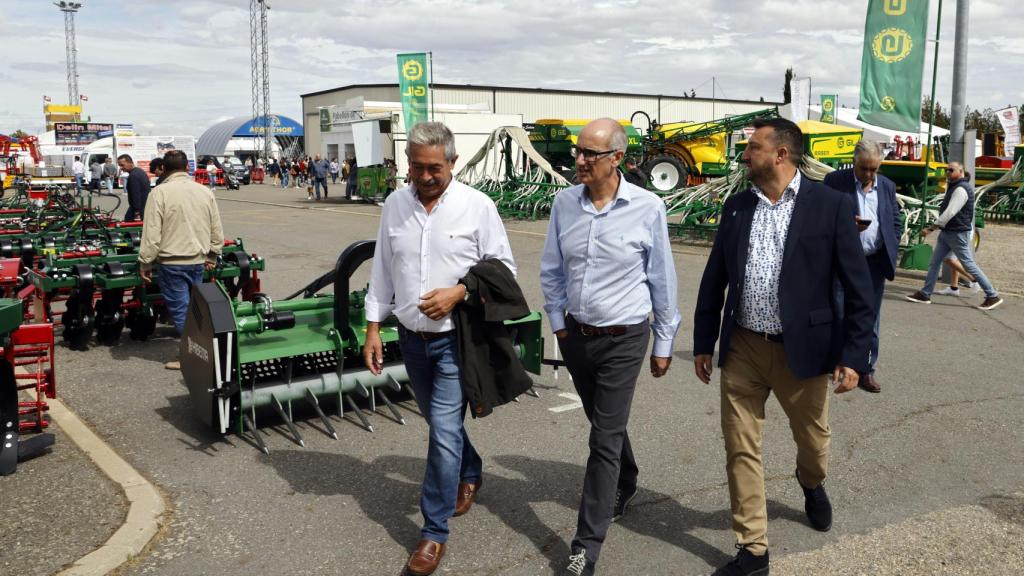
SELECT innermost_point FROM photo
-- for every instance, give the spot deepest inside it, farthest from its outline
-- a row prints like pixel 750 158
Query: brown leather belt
pixel 588 330
pixel 402 330
pixel 777 338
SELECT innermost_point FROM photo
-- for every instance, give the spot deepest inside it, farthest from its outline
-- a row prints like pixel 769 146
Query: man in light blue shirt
pixel 607 265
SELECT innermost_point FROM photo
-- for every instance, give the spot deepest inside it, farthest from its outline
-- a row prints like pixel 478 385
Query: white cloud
pixel 179 67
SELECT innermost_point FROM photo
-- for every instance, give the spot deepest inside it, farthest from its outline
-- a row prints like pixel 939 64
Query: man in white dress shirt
pixel 431 233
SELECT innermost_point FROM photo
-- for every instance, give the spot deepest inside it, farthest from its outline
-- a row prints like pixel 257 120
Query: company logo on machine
pixel 888 103
pixel 412 70
pixel 892 45
pixel 198 351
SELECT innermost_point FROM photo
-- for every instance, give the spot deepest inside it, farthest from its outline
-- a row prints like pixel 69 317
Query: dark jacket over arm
pixel 489 366
pixel 821 246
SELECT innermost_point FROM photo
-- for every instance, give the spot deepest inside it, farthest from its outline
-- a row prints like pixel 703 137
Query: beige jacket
pixel 181 225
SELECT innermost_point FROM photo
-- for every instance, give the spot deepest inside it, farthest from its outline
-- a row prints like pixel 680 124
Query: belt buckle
pixel 586 331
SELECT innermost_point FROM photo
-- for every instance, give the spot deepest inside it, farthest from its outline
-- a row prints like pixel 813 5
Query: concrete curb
pixel 145 504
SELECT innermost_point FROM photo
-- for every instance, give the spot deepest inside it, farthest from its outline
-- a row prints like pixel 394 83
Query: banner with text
pixel 414 88
pixel 800 98
pixel 828 108
pixel 80 133
pixel 1010 119
pixel 895 37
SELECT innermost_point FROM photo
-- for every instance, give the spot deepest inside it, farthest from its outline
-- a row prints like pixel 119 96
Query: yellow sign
pixel 829 146
pixel 895 7
pixel 892 45
pixel 412 70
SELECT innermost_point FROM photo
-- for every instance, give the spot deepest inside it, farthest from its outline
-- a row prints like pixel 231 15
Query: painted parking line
pixel 577 402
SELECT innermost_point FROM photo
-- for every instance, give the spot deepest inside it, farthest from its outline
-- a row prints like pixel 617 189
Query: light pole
pixel 69 9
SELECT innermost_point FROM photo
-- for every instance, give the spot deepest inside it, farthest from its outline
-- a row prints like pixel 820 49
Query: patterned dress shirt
pixel 759 302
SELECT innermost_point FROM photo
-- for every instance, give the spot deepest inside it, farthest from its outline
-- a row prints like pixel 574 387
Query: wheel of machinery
pixel 667 172
pixel 140 326
pixel 109 324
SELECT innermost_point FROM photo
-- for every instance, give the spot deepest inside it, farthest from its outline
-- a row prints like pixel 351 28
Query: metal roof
pixel 215 140
pixel 546 91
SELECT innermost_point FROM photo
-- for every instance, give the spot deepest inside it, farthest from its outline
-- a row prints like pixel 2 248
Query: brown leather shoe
pixel 868 383
pixel 425 560
pixel 467 494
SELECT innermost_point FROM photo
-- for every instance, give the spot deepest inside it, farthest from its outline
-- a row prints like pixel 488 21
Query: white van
pixel 141 149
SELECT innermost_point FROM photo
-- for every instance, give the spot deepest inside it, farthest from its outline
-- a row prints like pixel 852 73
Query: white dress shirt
pixel 759 302
pixel 417 252
pixel 867 209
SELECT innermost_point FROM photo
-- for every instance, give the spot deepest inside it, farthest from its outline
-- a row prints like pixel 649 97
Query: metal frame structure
pixel 71 52
pixel 259 52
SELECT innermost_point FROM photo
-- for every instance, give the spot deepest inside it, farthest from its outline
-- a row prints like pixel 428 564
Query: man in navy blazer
pixel 877 215
pixel 780 247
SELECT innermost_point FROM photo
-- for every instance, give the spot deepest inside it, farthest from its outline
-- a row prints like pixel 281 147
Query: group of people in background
pixel 96 176
pixel 313 174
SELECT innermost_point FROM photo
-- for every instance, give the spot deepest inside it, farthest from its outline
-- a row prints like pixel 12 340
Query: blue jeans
pixel 176 285
pixel 433 368
pixel 284 180
pixel 78 183
pixel 958 243
pixel 110 186
pixel 317 183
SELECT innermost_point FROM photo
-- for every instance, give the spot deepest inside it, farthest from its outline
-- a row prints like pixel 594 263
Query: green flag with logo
pixel 414 88
pixel 828 108
pixel 895 37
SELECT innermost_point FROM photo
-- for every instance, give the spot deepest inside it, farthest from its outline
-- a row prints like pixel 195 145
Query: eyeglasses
pixel 587 154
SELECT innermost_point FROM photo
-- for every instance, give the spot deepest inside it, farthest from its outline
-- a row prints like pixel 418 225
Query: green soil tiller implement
pixel 294 356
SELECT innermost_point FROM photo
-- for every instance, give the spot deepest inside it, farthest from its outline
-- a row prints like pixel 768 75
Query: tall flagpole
pixel 931 104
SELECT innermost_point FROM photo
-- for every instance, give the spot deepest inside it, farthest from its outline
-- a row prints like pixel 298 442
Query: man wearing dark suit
pixel 877 215
pixel 779 248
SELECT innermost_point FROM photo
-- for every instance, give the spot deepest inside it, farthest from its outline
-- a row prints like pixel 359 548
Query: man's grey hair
pixel 866 150
pixel 432 134
pixel 617 141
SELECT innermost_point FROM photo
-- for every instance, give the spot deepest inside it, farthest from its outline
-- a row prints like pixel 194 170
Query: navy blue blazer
pixel 822 245
pixel 889 221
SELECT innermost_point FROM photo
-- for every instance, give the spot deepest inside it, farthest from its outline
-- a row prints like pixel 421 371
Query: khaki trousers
pixel 753 369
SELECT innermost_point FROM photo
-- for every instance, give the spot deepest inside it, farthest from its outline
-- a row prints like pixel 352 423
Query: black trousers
pixel 604 370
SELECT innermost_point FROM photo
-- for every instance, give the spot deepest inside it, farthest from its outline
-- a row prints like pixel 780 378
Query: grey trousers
pixel 604 370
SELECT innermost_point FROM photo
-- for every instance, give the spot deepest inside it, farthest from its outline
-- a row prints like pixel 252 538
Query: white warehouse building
pixel 335 120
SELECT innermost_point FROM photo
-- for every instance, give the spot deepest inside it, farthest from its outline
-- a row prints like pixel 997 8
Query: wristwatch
pixel 465 297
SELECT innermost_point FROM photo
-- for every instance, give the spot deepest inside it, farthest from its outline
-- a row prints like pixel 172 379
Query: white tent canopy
pixel 848 117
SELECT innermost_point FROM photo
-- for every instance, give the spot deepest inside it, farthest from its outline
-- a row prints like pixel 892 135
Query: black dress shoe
pixel 817 506
pixel 622 500
pixel 578 564
pixel 745 564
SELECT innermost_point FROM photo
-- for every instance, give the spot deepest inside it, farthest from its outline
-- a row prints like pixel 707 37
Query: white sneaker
pixel 949 291
pixel 975 287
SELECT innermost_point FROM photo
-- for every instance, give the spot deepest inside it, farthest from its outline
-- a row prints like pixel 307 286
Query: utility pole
pixel 260 68
pixel 71 52
pixel 959 108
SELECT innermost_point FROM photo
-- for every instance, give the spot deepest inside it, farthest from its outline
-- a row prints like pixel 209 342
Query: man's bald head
pixel 608 132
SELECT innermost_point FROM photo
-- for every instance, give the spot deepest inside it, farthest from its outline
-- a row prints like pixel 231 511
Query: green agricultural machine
pixel 243 359
pixel 554 139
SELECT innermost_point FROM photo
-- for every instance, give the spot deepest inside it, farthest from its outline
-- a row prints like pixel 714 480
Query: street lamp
pixel 69 9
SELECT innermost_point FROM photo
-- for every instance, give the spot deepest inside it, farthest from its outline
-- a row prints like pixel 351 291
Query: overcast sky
pixel 178 67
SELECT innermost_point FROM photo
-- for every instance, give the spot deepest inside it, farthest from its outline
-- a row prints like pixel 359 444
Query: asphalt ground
pixel 939 450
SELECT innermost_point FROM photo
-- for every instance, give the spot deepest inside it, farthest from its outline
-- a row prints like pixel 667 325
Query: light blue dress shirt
pixel 613 267
pixel 867 209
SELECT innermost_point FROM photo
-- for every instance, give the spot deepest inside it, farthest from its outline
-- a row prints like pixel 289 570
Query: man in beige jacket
pixel 182 232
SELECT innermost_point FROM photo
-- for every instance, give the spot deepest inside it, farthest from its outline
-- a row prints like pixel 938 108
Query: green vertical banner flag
pixel 828 108
pixel 414 87
pixel 895 37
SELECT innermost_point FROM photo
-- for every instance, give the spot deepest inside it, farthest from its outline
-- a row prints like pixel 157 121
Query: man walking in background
pixel 110 174
pixel 182 232
pixel 318 170
pixel 956 223
pixel 136 186
pixel 877 215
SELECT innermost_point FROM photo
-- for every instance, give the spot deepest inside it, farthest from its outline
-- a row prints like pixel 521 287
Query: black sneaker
pixel 817 506
pixel 745 564
pixel 622 500
pixel 919 297
pixel 578 564
pixel 990 303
